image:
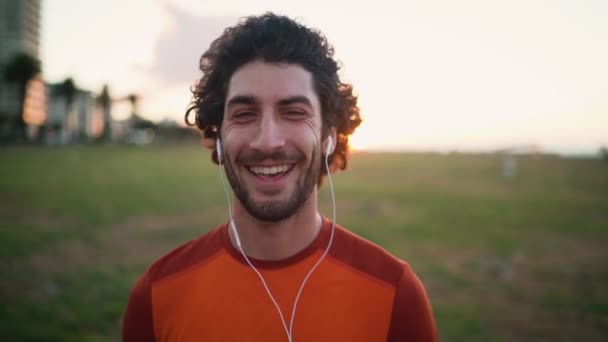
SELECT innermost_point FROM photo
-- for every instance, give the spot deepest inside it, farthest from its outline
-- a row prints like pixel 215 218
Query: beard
pixel 276 210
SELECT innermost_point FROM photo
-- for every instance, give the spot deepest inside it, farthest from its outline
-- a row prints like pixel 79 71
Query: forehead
pixel 272 82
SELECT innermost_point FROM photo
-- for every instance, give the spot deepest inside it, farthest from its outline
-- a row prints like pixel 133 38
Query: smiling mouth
pixel 270 172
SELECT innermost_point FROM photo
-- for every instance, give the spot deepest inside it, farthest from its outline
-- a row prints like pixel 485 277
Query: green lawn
pixel 521 259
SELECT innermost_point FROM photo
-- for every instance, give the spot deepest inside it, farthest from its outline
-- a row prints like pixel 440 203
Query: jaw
pixel 307 206
pixel 277 199
pixel 275 190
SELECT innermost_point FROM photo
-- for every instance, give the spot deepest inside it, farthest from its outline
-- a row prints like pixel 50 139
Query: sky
pixel 431 75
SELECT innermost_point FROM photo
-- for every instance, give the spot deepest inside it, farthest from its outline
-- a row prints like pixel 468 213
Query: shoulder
pixel 138 321
pixel 187 255
pixel 367 257
pixel 412 315
pixel 412 318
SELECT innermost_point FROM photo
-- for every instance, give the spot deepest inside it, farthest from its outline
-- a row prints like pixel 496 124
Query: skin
pixel 272 117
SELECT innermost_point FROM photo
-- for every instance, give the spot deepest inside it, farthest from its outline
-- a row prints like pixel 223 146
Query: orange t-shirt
pixel 205 291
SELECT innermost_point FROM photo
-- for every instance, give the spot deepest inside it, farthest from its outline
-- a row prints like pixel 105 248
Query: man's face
pixel 271 138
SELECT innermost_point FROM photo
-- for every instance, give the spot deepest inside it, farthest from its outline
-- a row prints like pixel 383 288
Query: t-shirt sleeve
pixel 137 324
pixel 412 318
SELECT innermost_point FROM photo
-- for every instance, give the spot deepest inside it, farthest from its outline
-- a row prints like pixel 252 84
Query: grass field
pixel 522 259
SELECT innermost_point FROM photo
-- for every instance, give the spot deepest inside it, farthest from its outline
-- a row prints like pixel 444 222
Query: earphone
pixel 330 146
pixel 218 149
pixel 288 331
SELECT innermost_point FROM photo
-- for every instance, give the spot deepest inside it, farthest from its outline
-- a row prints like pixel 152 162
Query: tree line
pixel 22 68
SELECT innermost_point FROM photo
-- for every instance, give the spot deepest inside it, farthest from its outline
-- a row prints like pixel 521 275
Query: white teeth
pixel 272 170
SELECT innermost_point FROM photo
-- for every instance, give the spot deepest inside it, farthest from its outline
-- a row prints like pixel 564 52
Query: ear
pixel 209 139
pixel 208 143
pixel 332 133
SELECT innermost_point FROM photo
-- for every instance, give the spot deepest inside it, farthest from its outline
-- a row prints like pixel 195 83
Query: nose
pixel 270 136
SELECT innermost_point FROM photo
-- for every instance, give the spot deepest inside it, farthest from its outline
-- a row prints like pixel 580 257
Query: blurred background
pixel 482 159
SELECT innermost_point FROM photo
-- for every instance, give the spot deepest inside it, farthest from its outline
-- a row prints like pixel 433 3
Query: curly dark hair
pixel 275 39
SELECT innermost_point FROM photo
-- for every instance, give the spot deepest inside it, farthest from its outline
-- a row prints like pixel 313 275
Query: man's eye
pixel 295 114
pixel 243 116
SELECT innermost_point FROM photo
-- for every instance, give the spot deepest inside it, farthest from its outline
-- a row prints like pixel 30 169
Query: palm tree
pixel 134 100
pixel 67 90
pixel 20 69
pixel 105 101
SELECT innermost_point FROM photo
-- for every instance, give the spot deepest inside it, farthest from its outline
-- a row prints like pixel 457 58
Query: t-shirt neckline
pixel 319 242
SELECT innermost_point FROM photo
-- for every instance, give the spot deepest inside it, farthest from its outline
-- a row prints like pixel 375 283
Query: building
pixel 19 32
pixel 79 121
pixel 19 28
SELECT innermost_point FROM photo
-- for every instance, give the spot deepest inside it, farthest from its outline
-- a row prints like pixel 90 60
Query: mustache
pixel 256 156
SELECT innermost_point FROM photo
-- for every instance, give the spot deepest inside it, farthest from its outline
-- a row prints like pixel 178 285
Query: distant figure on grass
pixel 272 108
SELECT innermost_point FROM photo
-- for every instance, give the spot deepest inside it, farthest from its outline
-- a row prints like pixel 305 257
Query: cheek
pixel 227 130
pixel 232 143
pixel 307 133
pixel 312 127
pixel 234 135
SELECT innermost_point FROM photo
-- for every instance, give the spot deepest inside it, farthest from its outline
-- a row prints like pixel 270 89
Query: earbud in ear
pixel 218 149
pixel 330 146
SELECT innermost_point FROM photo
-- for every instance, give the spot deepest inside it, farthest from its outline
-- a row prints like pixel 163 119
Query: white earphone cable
pixel 288 331
pixel 240 248
pixel 331 239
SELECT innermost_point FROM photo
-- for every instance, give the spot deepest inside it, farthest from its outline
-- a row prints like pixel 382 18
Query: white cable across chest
pixel 288 329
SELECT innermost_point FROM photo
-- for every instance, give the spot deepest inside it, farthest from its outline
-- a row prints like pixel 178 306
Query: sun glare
pixel 357 141
pixel 367 137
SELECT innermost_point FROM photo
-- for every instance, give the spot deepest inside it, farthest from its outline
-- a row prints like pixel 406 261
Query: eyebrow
pixel 249 100
pixel 295 99
pixel 241 99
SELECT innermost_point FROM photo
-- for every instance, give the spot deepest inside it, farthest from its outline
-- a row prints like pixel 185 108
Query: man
pixel 272 108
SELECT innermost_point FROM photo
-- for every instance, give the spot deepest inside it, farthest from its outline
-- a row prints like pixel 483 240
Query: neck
pixel 277 240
